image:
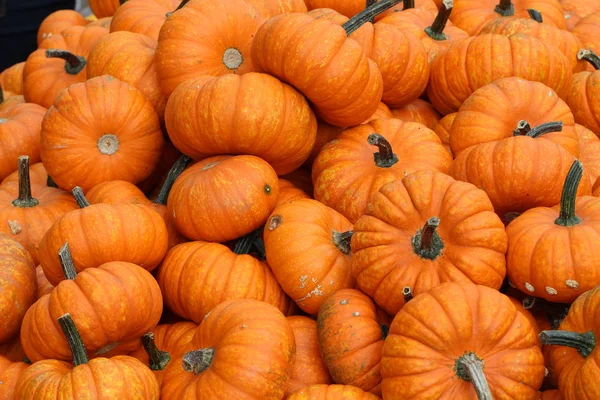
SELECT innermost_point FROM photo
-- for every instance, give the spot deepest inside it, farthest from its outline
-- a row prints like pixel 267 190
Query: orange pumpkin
pixel 331 392
pixel 589 151
pixel 12 350
pixel 289 192
pixel 11 80
pixel 37 175
pixel 10 372
pixel 5 104
pixel 271 8
pixel 575 10
pixel 583 93
pixel 549 395
pixel 587 32
pixel 43 286
pixel 143 16
pixel 103 22
pixel 443 128
pixel 57 22
pixel 104 8
pixel 418 111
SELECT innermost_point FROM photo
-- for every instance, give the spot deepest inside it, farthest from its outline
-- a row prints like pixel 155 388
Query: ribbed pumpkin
pixel 443 129
pixel 575 10
pixel 271 8
pixel 104 8
pixel 589 151
pixel 143 16
pixel 349 170
pixel 57 22
pixel 289 192
pixel 10 372
pixel 549 395
pixel 43 286
pixel 584 92
pixel 331 392
pixel 587 31
pixel 11 80
pixel 419 111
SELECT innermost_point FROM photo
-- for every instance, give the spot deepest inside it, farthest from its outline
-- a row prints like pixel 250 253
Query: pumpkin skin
pixel 103 22
pixel 9 375
pixel 104 8
pixel 249 185
pixel 86 140
pixel 309 368
pixel 418 111
pixel 17 286
pixel 20 127
pixel 514 365
pixel 129 57
pixel 589 151
pixel 12 350
pixel 587 30
pixel 345 175
pixel 549 395
pixel 11 101
pixel 101 233
pixel 385 259
pixel 11 80
pixel 582 99
pixel 575 10
pixel 271 8
pixel 341 95
pixel 449 88
pixel 182 41
pixel 308 252
pixel 57 22
pixel 143 16
pixel 43 286
pixel 443 128
pixel 288 192
pixel 37 175
pixel 235 114
pixel 331 392
pixel 45 78
pixel 351 339
pixel 256 335
pixel 493 112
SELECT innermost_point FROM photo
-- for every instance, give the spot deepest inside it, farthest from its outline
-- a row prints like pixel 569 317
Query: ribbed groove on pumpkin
pixel 436 30
pixel 589 56
pixel 158 359
pixel 385 157
pixel 584 343
pixel 427 243
pixel 179 7
pixel 535 15
pixel 568 199
pixel 354 23
pixel 74 64
pixel 469 368
pixel 505 8
pixel 341 240
pixel 407 294
pixel 25 200
pixel 197 361
pixel 178 167
pixel 73 339
pixel 80 197
pixel 66 261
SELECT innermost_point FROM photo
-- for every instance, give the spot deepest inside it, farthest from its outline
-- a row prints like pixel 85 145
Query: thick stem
pixel 505 8
pixel 197 361
pixel 244 244
pixel 522 129
pixel 80 197
pixel 584 343
pixel 73 339
pixel 367 15
pixel 158 358
pixel 589 56
pixel 535 15
pixel 567 216
pixel 176 170
pixel 407 294
pixel 24 200
pixel 427 243
pixel 385 157
pixel 369 4
pixel 73 64
pixel 179 7
pixel 436 30
pixel 407 4
pixel 50 182
pixel 66 261
pixel 341 240
pixel 544 128
pixel 469 368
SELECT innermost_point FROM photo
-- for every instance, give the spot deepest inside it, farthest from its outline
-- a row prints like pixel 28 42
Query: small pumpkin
pixel 419 111
pixel 443 128
pixel 57 22
pixel 587 31
pixel 104 8
pixel 331 392
pixel 6 103
pixel 10 372
pixel 289 192
pixel 43 286
pixel 575 10
pixel 145 17
pixel 589 151
pixel 584 92
pixel 11 80
pixel 103 22
pixel 37 175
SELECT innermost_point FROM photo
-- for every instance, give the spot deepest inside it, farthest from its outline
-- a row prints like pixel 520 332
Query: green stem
pixel 584 343
pixel 341 240
pixel 158 358
pixel 244 244
pixel 24 200
pixel 385 157
pixel 73 64
pixel 544 128
pixel 80 197
pixel 436 30
pixel 535 15
pixel 66 261
pixel 197 361
pixel 505 8
pixel 73 339
pixel 427 243
pixel 181 164
pixel 469 368
pixel 568 199
pixel 589 56
pixel 367 15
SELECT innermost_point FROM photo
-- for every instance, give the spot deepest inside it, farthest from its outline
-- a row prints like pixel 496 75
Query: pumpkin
pixel 429 5
pixel 351 338
pixel 418 111
pixel 129 57
pixel 57 22
pixel 104 8
pixel 535 263
pixel 28 211
pixel 20 126
pixel 43 286
pixel 519 172
pixel 103 22
pixel 573 350
pixel 12 350
pixel 442 129
pixel 9 102
pixel 349 170
pixel 309 368
pixel 416 234
pixel 239 191
pixel 10 372
pixel 308 249
pixel 549 395
pixel 228 116
pixel 589 151
pixel 17 286
pixel 59 62
pixel 11 80
pixel 101 233
pixel 467 363
pixel 86 140
pixel 111 378
pixel 91 297
pixel 271 8
pixel 487 58
pixel 583 93
pixel 472 15
pixel 184 52
pixel 37 174
pixel 331 392
pixel 253 334
pixel 301 179
pixel 587 30
pixel 495 111
pixel 575 10
pixel 289 192
pixel 143 16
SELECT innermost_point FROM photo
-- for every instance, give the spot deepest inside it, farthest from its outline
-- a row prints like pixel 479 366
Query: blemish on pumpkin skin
pixel 529 287
pixel 573 284
pixel 15 227
pixel 344 302
pixel 275 221
pixel 551 290
pixel 315 292
pixel 303 279
pixel 355 314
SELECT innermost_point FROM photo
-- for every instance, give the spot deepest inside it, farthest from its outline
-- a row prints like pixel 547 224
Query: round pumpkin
pixel 419 111
pixel 104 8
pixel 9 102
pixel 11 80
pixel 43 286
pixel 57 22
pixel 10 372
pixel 443 128
pixel 331 392
pixel 589 151
pixel 143 16
pixel 587 32
pixel 583 93
pixel 289 192
pixel 271 8
pixel 575 10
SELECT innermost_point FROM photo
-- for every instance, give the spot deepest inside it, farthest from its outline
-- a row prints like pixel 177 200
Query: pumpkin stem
pixel 385 157
pixel 341 240
pixel 427 243
pixel 80 197
pixel 544 128
pixel 469 368
pixel 407 294
pixel 66 261
pixel 24 200
pixel 244 244
pixel 73 64
pixel 407 4
pixel 197 361
pixel 523 128
pixel 567 216
pixel 73 339
pixel 369 4
pixel 584 343
pixel 176 170
pixel 27 361
pixel 589 56
pixel 436 30
pixel 556 312
pixel 158 358
pixel 179 7
pixel 367 15
pixel 50 182
pixel 505 8
pixel 535 15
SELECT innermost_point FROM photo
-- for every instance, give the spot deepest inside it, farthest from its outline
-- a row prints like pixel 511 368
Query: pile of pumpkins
pixel 303 199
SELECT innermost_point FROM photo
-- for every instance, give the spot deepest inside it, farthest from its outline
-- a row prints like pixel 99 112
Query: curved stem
pixel 385 157
pixel 197 361
pixel 407 294
pixel 181 164
pixel 80 197
pixel 73 339
pixel 523 128
pixel 24 200
pixel 469 367
pixel 244 244
pixel 407 4
pixel 535 15
pixel 73 64
pixel 66 261
pixel 584 343
pixel 567 216
pixel 367 15
pixel 427 243
pixel 369 4
pixel 589 56
pixel 505 8
pixel 436 30
pixel 158 358
pixel 179 7
pixel 50 182
pixel 544 128
pixel 341 240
